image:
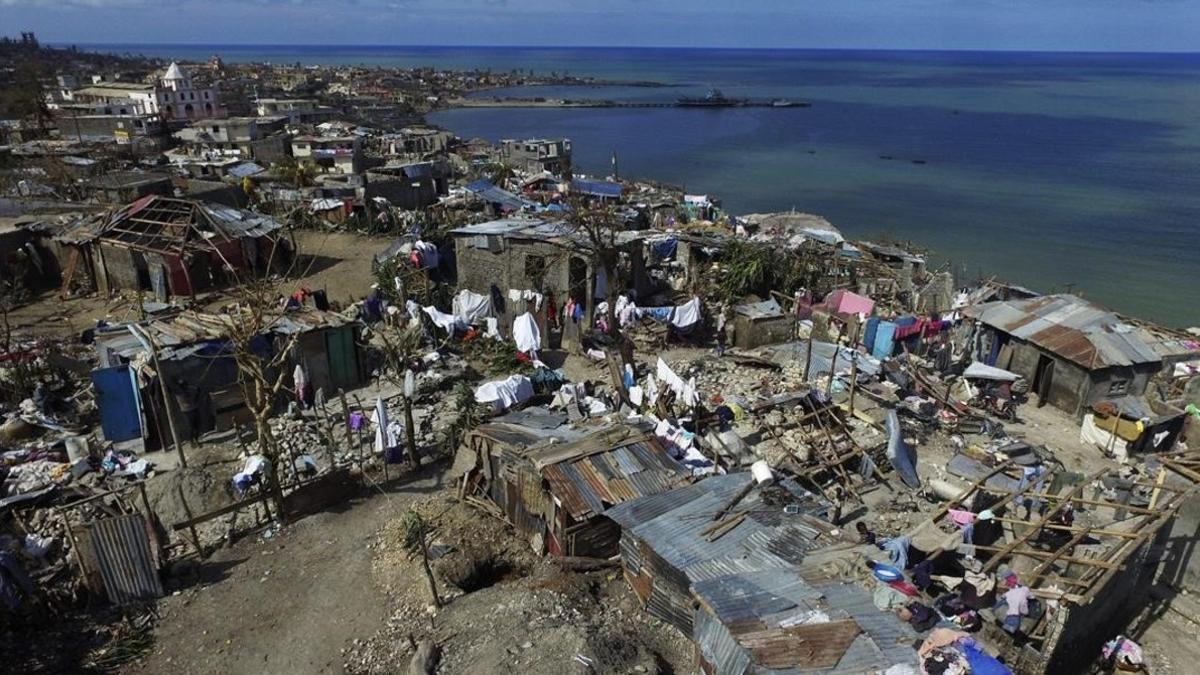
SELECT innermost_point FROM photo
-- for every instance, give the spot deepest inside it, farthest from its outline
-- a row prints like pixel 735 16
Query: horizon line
pixel 634 47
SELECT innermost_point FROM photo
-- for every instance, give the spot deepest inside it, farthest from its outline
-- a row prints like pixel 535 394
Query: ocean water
pixel 1055 171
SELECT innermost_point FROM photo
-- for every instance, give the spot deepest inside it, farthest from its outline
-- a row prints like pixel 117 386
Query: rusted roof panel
pixel 807 647
pixel 593 482
pixel 1070 327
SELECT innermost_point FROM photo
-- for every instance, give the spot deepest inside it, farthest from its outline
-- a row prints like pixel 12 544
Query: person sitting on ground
pixel 865 536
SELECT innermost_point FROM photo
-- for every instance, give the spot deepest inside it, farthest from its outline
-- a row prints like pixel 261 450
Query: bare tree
pixel 596 229
pixel 262 373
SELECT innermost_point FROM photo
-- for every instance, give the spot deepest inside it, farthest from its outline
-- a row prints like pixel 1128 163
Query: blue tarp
pixel 596 188
pixel 869 333
pixel 900 454
pixel 117 401
pixel 884 343
pixel 665 250
pixel 981 662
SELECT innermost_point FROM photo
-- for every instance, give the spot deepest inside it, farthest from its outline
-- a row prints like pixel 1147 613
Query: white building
pixel 179 99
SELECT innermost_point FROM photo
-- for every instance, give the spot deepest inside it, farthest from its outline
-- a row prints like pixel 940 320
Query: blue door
pixel 117 400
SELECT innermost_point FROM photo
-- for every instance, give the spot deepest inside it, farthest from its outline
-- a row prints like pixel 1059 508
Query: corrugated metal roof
pixel 749 579
pixel 488 192
pixel 1070 327
pixel 239 222
pixel 822 356
pixel 592 481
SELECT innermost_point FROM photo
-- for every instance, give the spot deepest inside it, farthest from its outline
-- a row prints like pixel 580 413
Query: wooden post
pixel 837 347
pixel 358 402
pixel 346 418
pixel 854 365
pixel 146 339
pixel 808 350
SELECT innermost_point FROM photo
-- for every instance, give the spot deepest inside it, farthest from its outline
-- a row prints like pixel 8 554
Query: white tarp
pixel 684 391
pixel 325 204
pixel 503 394
pixel 982 371
pixel 473 307
pixel 526 333
pixel 1090 434
pixel 447 322
pixel 686 315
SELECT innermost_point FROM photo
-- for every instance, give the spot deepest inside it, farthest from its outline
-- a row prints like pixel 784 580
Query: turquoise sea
pixel 1052 170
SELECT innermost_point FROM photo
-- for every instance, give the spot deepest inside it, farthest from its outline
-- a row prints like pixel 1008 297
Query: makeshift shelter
pixel 554 484
pixel 1073 353
pixel 200 372
pixel 845 303
pixel 1096 570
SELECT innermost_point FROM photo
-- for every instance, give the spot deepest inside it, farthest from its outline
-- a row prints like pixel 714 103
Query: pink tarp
pixel 846 302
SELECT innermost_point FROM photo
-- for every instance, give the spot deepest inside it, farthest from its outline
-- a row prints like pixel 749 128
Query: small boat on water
pixel 714 99
pixel 782 103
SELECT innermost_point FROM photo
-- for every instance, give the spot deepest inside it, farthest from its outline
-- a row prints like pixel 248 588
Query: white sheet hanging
pixel 473 307
pixel 447 322
pixel 686 315
pixel 685 392
pixel 526 333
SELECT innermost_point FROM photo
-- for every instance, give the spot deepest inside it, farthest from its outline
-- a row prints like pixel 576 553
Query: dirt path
pixel 287 604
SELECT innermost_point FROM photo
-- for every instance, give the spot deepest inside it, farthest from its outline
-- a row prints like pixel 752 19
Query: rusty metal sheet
pixel 809 646
pixel 126 560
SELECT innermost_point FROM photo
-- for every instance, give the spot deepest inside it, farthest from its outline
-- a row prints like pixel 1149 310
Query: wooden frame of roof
pixel 159 224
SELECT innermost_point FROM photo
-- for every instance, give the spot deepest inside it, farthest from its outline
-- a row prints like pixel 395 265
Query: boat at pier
pixel 713 99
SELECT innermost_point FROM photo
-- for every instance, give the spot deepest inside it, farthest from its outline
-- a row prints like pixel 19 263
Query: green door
pixel 343 356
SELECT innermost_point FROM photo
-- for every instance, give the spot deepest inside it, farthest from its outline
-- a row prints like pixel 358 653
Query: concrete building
pixel 179 98
pixel 410 186
pixel 337 154
pixel 173 97
pixel 536 155
pixel 262 138
pixel 531 254
pixel 295 110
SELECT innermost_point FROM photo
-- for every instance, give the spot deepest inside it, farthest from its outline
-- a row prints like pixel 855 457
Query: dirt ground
pixel 287 601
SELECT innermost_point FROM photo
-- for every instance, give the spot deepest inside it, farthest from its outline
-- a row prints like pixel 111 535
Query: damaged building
pixel 170 246
pixel 554 484
pixel 1073 353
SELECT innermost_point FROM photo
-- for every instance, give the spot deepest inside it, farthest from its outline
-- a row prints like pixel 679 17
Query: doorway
pixel 1042 379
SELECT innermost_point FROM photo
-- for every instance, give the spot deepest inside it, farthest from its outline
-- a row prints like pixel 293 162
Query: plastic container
pixel 887 573
pixel 762 473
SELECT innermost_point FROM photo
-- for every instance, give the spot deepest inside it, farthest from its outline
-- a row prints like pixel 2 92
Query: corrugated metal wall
pixel 127 562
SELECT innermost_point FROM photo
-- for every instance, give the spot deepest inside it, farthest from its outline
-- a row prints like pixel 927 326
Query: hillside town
pixel 293 381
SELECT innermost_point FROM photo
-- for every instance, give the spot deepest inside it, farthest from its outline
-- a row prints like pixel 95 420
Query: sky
pixel 1055 25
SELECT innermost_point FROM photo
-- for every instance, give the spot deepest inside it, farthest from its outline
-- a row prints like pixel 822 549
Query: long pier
pixel 565 103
